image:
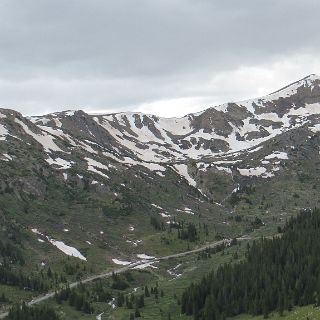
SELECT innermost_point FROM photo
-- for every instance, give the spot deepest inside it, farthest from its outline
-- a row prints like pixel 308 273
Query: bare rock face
pixel 31 186
pixel 24 187
pixel 212 121
pixel 297 95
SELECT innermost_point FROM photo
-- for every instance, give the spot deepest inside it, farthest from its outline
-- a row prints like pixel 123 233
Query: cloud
pixel 168 57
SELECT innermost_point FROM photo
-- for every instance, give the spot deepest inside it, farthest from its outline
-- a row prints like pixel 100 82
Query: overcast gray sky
pixel 166 57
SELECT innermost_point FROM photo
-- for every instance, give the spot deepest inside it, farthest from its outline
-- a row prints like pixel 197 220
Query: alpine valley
pixel 113 216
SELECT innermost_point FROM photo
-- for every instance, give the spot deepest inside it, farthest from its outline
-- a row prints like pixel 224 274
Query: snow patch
pixel 315 128
pixel 173 270
pixel 3 132
pixel 45 140
pixel 68 250
pixel 182 170
pixel 156 206
pixel 36 231
pixel 252 171
pixel 63 164
pixel 134 242
pixel 227 170
pixel 144 256
pixel 6 157
pixel 277 155
pixel 99 316
pixel 120 262
pixel 146 265
pixel 93 164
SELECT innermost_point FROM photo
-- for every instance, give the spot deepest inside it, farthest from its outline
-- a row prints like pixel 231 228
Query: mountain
pixel 220 137
pixel 139 139
pixel 96 181
pixel 215 132
pixel 83 193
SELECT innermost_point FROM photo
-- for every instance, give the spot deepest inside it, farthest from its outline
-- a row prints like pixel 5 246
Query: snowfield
pixel 68 250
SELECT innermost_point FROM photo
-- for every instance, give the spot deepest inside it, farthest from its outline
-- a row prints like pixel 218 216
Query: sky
pixel 164 57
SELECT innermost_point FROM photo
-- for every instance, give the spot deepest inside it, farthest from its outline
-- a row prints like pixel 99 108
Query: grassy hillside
pixel 298 313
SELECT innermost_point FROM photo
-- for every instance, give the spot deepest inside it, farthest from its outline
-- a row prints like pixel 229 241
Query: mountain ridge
pixel 216 131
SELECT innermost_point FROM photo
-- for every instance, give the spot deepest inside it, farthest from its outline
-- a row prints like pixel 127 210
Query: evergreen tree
pixel 140 301
pixel 146 292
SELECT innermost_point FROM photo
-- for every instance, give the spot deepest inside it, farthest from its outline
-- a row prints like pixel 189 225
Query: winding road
pixel 124 269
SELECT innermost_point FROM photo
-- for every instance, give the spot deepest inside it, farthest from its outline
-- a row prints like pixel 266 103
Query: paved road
pixel 124 269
